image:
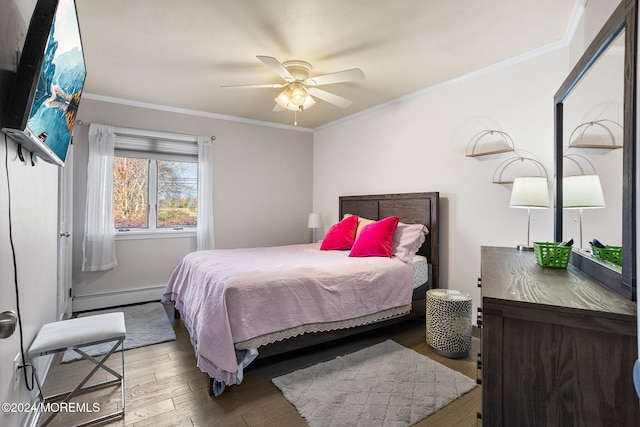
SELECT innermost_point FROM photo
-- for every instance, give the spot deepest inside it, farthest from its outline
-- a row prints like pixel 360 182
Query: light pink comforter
pixel 237 295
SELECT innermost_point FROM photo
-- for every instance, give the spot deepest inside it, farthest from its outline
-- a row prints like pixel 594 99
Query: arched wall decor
pixel 581 135
pixel 489 141
pixel 499 174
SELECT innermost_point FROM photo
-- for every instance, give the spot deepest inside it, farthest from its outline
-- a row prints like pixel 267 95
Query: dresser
pixel 557 347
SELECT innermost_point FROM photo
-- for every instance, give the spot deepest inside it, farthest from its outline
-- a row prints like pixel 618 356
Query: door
pixel 65 220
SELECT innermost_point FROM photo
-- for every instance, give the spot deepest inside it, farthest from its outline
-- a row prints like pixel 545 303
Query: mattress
pixel 247 298
pixel 421 273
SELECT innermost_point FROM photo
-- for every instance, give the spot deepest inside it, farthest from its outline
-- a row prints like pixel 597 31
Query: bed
pixel 233 309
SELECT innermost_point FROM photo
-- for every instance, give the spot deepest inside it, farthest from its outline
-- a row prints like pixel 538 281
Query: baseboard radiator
pixel 116 298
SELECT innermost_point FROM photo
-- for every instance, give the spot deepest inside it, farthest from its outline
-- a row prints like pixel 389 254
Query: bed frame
pixel 413 208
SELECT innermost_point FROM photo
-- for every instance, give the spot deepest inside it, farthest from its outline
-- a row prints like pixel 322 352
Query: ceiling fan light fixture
pixel 285 101
pixel 295 98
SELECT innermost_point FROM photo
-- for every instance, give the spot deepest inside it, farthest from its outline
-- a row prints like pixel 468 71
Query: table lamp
pixel 582 192
pixel 530 192
pixel 314 224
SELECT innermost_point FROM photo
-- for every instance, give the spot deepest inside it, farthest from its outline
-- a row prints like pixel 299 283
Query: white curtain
pixel 205 237
pixel 98 246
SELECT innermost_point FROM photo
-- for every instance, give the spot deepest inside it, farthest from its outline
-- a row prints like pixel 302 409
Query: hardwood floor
pixel 165 388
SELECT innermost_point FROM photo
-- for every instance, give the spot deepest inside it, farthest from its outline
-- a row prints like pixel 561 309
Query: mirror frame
pixel 623 18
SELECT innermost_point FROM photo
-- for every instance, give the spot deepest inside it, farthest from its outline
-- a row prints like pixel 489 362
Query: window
pixel 155 185
pixel 177 195
pixel 130 192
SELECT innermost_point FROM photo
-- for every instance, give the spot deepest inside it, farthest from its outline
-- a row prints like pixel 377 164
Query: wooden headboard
pixel 413 208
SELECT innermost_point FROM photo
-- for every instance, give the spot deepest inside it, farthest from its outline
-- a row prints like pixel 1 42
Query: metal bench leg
pixel 99 364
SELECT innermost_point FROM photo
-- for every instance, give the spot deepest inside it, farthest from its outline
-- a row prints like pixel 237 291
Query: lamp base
pixel 525 248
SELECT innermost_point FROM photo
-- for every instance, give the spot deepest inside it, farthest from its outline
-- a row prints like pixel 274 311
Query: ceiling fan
pixel 299 88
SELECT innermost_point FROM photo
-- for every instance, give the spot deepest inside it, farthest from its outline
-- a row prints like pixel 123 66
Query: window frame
pixel 141 144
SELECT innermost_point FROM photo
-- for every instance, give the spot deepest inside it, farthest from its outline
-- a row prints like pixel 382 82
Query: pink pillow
pixel 341 235
pixel 376 239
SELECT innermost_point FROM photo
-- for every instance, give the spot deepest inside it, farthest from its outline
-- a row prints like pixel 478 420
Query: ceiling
pixel 178 54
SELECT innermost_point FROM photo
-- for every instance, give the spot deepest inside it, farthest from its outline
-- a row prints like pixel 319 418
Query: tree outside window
pixel 169 187
pixel 130 192
pixel 177 194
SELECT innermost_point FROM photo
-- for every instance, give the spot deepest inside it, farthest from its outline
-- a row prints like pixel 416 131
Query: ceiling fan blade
pixel 275 85
pixel 337 77
pixel 276 66
pixel 278 108
pixel 329 97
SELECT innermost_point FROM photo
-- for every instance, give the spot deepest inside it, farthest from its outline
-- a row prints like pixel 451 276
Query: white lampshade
pixel 530 192
pixel 308 102
pixel 582 192
pixel 314 220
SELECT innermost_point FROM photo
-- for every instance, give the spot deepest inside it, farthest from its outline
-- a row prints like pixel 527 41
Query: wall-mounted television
pixel 42 107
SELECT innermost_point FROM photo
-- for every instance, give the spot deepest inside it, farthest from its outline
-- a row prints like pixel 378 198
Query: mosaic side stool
pixel 449 322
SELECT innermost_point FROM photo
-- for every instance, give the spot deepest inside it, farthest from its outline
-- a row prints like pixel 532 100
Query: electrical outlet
pixel 16 371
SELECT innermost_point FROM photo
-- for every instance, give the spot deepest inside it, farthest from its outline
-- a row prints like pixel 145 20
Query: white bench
pixel 77 334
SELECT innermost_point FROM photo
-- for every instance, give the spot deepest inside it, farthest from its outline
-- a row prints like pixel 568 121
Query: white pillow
pixel 407 240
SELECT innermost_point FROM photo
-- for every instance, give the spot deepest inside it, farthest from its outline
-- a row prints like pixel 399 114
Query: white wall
pixel 34 204
pixel 262 193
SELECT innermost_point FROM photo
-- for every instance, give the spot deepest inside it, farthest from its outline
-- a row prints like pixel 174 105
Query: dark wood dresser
pixel 557 347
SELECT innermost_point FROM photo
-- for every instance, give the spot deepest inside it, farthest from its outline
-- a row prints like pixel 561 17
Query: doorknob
pixel 8 320
pixel 65 234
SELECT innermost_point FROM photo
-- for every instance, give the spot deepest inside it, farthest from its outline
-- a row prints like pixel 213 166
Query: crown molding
pixel 186 111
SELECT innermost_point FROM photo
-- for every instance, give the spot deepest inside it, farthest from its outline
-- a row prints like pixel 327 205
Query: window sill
pixel 164 234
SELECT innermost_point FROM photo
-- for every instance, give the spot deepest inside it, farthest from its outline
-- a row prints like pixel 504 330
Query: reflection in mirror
pixel 593 117
pixel 606 96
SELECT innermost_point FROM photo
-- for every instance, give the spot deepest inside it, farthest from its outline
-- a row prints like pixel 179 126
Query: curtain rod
pixel 151 133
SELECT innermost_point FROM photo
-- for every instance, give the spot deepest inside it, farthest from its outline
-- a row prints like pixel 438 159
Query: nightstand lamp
pixel 314 223
pixel 530 192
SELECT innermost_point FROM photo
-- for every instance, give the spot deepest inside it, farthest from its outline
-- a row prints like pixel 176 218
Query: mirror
pixel 599 93
pixel 593 138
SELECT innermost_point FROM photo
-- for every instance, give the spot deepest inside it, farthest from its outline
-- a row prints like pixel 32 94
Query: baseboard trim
pixel 118 298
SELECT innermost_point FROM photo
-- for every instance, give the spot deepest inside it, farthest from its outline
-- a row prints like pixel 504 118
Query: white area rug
pixel 382 385
pixel 146 324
